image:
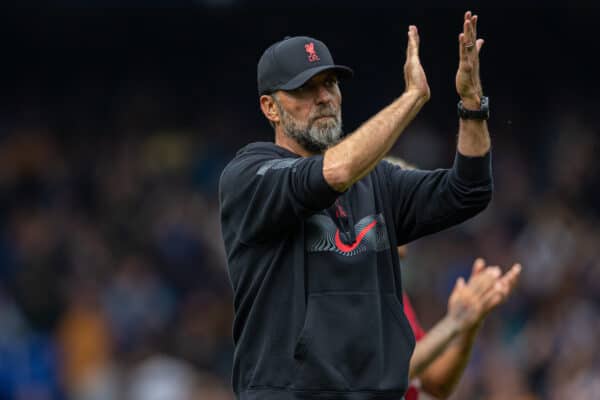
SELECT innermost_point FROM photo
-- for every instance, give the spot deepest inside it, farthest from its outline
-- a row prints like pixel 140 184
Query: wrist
pixel 420 96
pixel 453 325
pixel 475 108
pixel 468 336
pixel 471 103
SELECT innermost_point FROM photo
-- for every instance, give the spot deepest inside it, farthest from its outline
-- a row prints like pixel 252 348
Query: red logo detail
pixel 339 210
pixel 346 248
pixel 310 50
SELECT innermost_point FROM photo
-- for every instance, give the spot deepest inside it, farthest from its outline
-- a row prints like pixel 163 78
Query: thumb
pixel 460 284
pixel 479 44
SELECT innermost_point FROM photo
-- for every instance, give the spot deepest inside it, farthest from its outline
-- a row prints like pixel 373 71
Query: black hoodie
pixel 316 275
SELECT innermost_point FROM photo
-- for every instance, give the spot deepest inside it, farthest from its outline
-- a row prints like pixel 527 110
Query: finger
pixel 458 290
pixel 493 299
pixel 459 285
pixel 505 285
pixel 469 35
pixel 466 46
pixel 502 288
pixel 413 42
pixel 474 20
pixel 512 276
pixel 462 50
pixel 484 281
pixel 478 266
pixel 517 267
pixel 479 44
pixel 496 295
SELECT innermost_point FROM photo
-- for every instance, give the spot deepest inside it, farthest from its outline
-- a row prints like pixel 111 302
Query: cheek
pixel 302 111
pixel 337 96
pixel 337 103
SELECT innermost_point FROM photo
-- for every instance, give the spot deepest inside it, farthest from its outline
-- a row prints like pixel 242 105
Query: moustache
pixel 328 114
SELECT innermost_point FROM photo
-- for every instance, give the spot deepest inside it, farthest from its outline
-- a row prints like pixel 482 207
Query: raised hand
pixel 502 288
pixel 414 75
pixel 486 288
pixel 468 83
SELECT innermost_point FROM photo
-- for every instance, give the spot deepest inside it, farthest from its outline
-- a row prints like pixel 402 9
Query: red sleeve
pixel 412 318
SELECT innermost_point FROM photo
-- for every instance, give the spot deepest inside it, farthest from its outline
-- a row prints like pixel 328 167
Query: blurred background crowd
pixel 114 127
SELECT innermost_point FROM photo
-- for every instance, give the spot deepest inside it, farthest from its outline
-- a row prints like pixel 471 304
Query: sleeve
pixel 425 202
pixel 261 196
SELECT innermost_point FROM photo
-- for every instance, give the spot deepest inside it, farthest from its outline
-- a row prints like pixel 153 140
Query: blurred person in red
pixel 311 224
pixel 442 354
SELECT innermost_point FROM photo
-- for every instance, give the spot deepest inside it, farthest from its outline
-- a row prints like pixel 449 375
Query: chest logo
pixel 344 247
pixel 322 235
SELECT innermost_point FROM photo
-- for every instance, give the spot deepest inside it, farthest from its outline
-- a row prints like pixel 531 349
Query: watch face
pixel 485 104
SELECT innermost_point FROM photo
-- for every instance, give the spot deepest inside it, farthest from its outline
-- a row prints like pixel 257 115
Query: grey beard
pixel 315 138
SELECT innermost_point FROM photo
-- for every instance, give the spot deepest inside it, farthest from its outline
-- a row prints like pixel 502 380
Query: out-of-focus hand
pixel 467 301
pixel 503 286
pixel 486 288
pixel 414 75
pixel 468 83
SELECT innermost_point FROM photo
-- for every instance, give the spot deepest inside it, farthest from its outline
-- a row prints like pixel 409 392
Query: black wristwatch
pixel 482 114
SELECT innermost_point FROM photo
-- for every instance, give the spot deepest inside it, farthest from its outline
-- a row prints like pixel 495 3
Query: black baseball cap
pixel 291 62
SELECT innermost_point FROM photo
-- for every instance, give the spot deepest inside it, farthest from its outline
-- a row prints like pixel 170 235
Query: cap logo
pixel 310 51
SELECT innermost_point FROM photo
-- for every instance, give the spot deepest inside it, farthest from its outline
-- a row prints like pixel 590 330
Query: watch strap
pixel 482 114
